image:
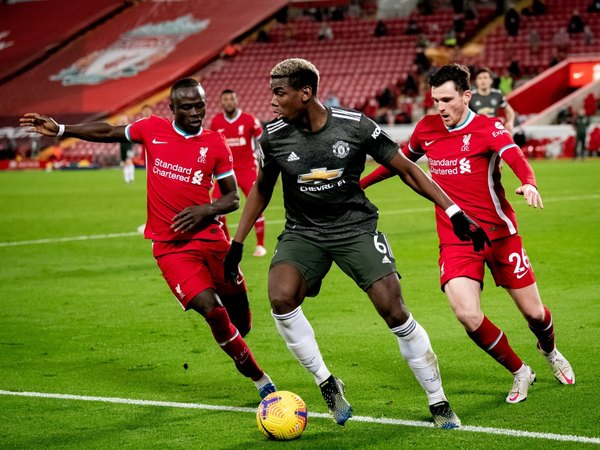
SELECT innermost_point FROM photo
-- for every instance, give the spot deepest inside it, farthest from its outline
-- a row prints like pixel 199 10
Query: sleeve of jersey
pixel 134 132
pixel 514 157
pixel 224 163
pixel 379 174
pixel 413 150
pixel 257 128
pixel 377 143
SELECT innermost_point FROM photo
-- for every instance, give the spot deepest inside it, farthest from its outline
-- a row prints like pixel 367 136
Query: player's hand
pixel 531 194
pixel 467 230
pixel 37 123
pixel 232 262
pixel 190 218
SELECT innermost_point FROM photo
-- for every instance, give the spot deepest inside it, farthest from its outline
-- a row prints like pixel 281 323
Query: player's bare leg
pixel 415 347
pixel 539 318
pixel 464 297
pixel 287 290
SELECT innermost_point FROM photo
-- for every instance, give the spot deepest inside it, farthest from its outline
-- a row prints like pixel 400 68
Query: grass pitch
pixel 93 317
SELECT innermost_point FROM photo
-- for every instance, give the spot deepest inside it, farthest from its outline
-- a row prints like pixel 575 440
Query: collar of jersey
pixel 466 122
pixel 238 113
pixel 183 133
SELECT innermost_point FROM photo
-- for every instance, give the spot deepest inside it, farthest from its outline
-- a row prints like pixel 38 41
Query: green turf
pixel 95 318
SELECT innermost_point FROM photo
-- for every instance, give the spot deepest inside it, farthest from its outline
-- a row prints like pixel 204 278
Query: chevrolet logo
pixel 318 175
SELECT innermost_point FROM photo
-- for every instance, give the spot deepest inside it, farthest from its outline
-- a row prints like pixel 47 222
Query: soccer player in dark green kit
pixel 320 153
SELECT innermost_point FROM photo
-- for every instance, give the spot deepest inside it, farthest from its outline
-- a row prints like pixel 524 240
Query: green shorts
pixel 365 258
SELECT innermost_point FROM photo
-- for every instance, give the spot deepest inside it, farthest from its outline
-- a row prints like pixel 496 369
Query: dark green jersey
pixel 320 172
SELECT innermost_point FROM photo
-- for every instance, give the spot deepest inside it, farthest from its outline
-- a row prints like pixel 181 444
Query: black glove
pixel 232 261
pixel 467 230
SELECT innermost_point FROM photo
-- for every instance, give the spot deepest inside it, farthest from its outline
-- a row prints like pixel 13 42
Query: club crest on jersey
pixel 202 157
pixel 466 142
pixel 341 149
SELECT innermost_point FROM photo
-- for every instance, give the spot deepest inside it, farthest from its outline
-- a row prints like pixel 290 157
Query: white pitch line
pixel 385 212
pixel 365 419
pixel 69 239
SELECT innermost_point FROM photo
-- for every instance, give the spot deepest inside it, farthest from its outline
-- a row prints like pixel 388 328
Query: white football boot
pixel 523 379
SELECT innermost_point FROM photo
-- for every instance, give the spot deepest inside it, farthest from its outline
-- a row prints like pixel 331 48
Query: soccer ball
pixel 281 416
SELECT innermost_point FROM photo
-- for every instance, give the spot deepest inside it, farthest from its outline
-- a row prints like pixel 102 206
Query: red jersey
pixel 464 161
pixel 180 168
pixel 239 133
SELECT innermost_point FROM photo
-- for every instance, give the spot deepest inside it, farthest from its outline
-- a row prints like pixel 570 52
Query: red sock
pixel 544 331
pixel 232 343
pixel 223 221
pixel 239 311
pixel 495 343
pixel 259 227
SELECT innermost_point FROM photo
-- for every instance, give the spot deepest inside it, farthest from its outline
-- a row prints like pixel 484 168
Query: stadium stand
pixel 357 65
pixel 30 32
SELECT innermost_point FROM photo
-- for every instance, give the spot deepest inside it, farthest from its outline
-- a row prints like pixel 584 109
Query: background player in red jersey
pixel 241 131
pixel 187 241
pixel 464 151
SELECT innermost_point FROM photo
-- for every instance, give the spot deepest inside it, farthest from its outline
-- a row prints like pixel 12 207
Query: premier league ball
pixel 281 416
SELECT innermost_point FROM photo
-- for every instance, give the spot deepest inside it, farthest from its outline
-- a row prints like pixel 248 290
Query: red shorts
pixel 245 180
pixel 506 259
pixel 190 267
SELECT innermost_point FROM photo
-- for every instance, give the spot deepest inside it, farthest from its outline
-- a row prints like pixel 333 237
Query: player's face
pixel 229 103
pixel 483 81
pixel 287 102
pixel 452 106
pixel 189 108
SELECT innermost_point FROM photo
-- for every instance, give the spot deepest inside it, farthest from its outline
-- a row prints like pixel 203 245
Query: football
pixel 282 416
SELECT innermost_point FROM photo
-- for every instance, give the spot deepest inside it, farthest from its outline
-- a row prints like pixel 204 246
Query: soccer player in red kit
pixel 241 131
pixel 464 151
pixel 187 240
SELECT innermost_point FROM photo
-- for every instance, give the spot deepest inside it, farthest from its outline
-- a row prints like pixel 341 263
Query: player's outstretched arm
pixel 517 161
pixel 93 131
pixel 464 227
pixel 198 216
pixel 531 194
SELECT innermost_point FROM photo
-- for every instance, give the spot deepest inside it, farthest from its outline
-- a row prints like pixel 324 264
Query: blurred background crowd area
pixel 114 60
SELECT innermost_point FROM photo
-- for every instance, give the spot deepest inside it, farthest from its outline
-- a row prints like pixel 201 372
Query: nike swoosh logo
pixel 154 141
pixel 428 143
pixel 577 75
pixel 521 275
pixel 567 379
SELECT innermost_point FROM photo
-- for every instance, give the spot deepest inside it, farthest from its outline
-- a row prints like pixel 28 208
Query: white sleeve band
pixel 61 130
pixel 451 210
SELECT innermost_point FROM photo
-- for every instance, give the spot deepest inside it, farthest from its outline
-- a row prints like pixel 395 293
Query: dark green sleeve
pixel 376 142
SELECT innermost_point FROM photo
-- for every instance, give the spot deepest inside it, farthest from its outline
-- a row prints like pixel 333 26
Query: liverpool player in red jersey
pixel 464 151
pixel 187 241
pixel 241 131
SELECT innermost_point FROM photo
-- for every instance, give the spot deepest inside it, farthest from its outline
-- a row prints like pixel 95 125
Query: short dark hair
pixel 227 91
pixel 299 73
pixel 484 70
pixel 457 73
pixel 183 83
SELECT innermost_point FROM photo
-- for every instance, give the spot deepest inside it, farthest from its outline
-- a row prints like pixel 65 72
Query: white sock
pixel 417 352
pixel 261 382
pixel 130 173
pixel 300 339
